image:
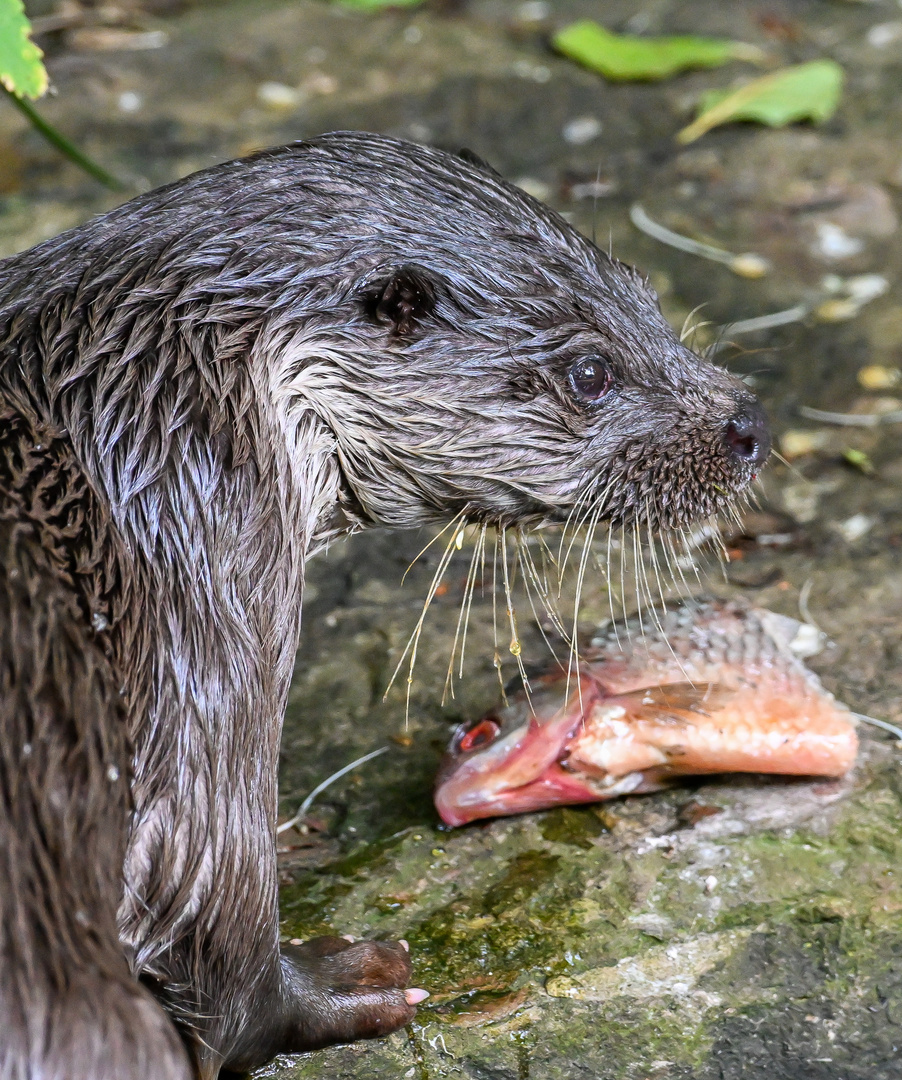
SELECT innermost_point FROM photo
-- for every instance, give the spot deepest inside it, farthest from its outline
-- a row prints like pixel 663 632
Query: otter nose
pixel 747 435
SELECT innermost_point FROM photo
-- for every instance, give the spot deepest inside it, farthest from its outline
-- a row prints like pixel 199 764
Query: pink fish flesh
pixel 717 688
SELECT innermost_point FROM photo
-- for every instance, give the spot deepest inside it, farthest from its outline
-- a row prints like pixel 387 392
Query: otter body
pixel 197 391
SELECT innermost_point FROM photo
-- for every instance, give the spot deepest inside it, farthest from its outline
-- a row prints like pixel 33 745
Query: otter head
pixel 471 352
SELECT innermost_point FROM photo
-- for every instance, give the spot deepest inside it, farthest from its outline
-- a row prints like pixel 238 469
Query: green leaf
pixel 377 5
pixel 623 56
pixel 21 69
pixel 858 459
pixel 804 92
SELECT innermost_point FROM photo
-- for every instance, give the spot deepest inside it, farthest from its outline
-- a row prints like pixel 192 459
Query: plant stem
pixel 57 139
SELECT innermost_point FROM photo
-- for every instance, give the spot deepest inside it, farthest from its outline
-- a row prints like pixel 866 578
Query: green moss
pixel 366 858
pixel 458 952
pixel 523 882
pixel 525 921
pixel 656 1033
pixel 306 908
pixel 571 825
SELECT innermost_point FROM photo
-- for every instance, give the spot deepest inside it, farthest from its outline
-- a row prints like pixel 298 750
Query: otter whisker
pixel 659 618
pixel 720 548
pixel 623 570
pixel 455 521
pixel 496 657
pixel 462 619
pixel 666 560
pixel 515 647
pixel 576 532
pixel 413 641
pixel 529 574
pixel 676 565
pixel 550 597
pixel 580 578
pixel 607 574
pixel 689 328
pixel 653 554
pixel 638 590
pixel 688 556
pixel 575 511
pixel 643 585
pixel 479 559
pixel 594 506
pixel 547 554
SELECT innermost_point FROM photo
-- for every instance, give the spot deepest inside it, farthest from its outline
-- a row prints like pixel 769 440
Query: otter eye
pixel 591 378
pixel 485 732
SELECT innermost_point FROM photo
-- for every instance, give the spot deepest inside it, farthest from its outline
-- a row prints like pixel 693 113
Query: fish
pixel 713 686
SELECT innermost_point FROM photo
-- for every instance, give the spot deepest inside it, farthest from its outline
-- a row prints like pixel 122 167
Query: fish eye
pixel 591 378
pixel 484 733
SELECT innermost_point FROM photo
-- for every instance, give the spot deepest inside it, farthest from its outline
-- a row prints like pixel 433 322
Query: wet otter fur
pixel 198 390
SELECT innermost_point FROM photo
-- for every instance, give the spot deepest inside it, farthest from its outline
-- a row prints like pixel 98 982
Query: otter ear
pixel 403 301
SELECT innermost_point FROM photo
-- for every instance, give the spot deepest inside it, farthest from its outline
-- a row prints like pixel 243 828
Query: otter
pixel 198 391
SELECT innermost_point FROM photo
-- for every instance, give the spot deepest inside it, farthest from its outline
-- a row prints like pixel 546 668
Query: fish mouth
pixel 459 803
pixel 522 770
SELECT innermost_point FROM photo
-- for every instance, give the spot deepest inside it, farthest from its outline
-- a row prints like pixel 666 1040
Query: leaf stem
pixel 68 149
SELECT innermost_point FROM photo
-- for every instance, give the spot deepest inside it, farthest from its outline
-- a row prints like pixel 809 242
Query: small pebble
pixel 593 189
pixel 533 11
pixel 539 73
pixel 278 96
pixel 866 287
pixel 750 265
pixel 878 377
pixel 833 242
pixel 884 34
pixel 129 101
pixel 808 641
pixel 420 132
pixel 318 82
pixel 835 310
pixel 855 527
pixel 582 130
pixel 796 443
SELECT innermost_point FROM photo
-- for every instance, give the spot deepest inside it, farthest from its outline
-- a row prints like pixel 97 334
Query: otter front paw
pixel 338 991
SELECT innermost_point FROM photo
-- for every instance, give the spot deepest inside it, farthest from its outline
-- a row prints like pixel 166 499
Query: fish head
pixel 508 761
